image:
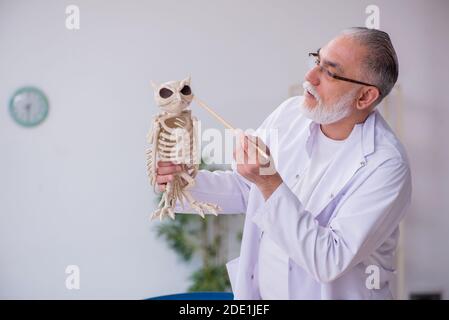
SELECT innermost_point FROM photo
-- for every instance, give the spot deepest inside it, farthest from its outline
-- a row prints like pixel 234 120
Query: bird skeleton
pixel 173 138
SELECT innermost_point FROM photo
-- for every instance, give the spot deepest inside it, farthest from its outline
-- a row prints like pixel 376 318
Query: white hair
pixel 380 66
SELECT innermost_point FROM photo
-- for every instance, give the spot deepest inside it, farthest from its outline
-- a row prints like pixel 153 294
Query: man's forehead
pixel 343 51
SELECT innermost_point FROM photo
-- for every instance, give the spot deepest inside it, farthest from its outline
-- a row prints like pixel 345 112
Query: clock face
pixel 28 106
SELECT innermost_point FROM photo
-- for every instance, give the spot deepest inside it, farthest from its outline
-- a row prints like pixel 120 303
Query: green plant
pixel 191 236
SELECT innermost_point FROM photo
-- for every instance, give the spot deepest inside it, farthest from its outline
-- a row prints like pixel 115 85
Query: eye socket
pixel 186 90
pixel 165 93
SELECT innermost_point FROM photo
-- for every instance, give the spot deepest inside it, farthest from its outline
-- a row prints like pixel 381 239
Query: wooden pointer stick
pixel 227 125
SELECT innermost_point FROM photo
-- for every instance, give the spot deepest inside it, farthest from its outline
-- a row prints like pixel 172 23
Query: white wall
pixel 74 189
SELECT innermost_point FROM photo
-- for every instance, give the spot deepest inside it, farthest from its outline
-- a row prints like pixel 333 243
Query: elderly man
pixel 325 223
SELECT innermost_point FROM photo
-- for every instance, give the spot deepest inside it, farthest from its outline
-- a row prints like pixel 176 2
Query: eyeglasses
pixel 316 61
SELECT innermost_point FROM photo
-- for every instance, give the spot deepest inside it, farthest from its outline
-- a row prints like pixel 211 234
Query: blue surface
pixel 197 296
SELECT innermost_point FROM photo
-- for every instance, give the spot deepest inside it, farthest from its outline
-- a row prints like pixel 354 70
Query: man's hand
pixel 165 173
pixel 252 165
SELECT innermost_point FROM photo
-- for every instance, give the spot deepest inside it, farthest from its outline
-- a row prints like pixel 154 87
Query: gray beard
pixel 324 114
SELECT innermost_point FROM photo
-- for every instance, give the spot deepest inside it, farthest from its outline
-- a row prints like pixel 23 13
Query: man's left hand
pixel 255 166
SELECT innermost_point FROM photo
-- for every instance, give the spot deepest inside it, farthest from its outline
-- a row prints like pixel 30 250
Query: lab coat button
pixel 297 176
pixel 332 195
pixel 252 276
pixel 363 163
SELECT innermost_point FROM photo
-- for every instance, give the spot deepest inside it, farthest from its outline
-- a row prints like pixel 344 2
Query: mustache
pixel 309 87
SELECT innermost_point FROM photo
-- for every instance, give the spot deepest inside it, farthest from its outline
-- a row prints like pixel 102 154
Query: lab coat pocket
pixel 232 267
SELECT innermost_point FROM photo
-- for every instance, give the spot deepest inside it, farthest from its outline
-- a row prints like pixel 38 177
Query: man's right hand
pixel 165 172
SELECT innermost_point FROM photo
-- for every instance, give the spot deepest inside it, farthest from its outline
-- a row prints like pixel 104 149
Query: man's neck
pixel 340 130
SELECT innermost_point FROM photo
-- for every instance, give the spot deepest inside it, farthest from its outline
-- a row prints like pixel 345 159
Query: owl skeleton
pixel 173 138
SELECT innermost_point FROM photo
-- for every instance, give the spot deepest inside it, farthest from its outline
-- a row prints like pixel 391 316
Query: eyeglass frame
pixel 335 76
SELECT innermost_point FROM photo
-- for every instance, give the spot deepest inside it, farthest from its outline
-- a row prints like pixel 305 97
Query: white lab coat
pixel 353 217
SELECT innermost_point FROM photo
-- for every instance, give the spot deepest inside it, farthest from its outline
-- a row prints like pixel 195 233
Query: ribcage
pixel 175 139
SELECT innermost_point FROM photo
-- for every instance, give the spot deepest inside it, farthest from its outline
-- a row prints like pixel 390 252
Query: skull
pixel 173 96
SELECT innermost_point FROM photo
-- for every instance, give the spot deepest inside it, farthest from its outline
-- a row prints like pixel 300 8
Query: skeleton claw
pixel 161 213
pixel 154 215
pixel 201 207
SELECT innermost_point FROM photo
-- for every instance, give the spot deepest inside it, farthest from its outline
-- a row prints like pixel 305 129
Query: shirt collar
pixel 365 130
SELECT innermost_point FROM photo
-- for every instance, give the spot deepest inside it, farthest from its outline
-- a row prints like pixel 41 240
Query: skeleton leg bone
pixel 201 207
pixel 166 205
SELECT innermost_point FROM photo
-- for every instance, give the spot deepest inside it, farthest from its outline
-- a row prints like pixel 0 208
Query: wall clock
pixel 28 106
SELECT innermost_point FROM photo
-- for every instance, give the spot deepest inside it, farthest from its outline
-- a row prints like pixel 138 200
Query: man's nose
pixel 313 77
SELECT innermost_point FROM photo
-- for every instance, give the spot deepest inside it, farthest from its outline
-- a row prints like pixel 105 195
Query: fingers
pixel 165 163
pixel 164 178
pixel 251 150
pixel 242 150
pixel 162 181
pixel 165 173
pixel 239 154
pixel 244 142
pixel 169 169
pixel 253 158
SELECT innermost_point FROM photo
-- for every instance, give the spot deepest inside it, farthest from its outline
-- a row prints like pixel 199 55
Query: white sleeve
pixel 227 189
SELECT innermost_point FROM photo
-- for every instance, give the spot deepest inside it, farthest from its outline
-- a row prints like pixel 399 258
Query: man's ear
pixel 367 97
